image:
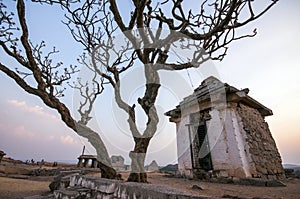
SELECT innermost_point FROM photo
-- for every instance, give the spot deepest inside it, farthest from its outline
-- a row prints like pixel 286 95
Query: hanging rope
pixel 179 57
pixel 187 70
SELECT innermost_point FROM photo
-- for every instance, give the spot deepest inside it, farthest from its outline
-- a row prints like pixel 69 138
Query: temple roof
pixel 213 92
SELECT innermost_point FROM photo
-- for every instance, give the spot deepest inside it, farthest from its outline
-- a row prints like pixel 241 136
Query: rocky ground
pixel 11 186
pixel 291 191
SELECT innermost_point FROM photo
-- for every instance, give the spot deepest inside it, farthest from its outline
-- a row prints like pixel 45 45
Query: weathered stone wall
pixel 227 142
pixel 262 146
pixel 92 187
pixel 243 148
pixel 183 148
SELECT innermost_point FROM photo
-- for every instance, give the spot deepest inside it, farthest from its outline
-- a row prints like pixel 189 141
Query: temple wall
pixel 227 144
pixel 183 148
pixel 240 142
pixel 265 157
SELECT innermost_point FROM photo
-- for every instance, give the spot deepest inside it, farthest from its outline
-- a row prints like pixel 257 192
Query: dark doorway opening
pixel 203 151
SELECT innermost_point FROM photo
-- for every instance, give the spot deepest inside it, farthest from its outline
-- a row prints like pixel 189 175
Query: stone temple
pixel 221 131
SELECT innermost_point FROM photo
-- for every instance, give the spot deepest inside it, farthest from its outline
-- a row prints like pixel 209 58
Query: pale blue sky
pixel 268 65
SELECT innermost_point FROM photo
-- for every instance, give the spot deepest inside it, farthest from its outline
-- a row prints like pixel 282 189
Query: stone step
pixel 81 192
pixel 73 192
pixel 102 185
pixel 66 194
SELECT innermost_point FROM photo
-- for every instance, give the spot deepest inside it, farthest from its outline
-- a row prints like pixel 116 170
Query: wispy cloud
pixel 38 110
pixel 67 140
pixel 51 137
pixel 21 131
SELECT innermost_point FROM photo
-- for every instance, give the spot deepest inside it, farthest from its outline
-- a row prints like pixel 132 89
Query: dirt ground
pixel 291 191
pixel 17 188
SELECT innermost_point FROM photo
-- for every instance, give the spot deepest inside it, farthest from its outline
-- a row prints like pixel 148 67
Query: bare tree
pixel 209 27
pixel 38 75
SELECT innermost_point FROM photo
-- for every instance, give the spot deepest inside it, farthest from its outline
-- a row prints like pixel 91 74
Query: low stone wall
pixel 93 187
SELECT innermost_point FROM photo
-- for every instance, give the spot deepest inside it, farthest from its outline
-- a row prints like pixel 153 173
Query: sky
pixel 267 64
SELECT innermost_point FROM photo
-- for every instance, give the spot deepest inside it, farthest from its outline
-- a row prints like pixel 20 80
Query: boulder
pixel 153 166
pixel 117 163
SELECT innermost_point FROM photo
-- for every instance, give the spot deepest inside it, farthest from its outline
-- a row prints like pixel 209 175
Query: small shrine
pixel 221 130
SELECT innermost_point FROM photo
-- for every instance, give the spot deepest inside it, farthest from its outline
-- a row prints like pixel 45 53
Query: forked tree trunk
pixel 137 156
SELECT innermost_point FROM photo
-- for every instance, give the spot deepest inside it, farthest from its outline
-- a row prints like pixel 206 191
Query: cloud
pixel 38 110
pixel 51 137
pixel 67 140
pixel 21 131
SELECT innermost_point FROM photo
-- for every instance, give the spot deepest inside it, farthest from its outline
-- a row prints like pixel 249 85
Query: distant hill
pixel 170 168
pixel 290 166
pixel 66 161
pixel 295 167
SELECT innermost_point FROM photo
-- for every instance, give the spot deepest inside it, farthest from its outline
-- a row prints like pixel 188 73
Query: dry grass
pixel 17 188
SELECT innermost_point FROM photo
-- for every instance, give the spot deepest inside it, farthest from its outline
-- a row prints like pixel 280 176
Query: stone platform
pixel 94 187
